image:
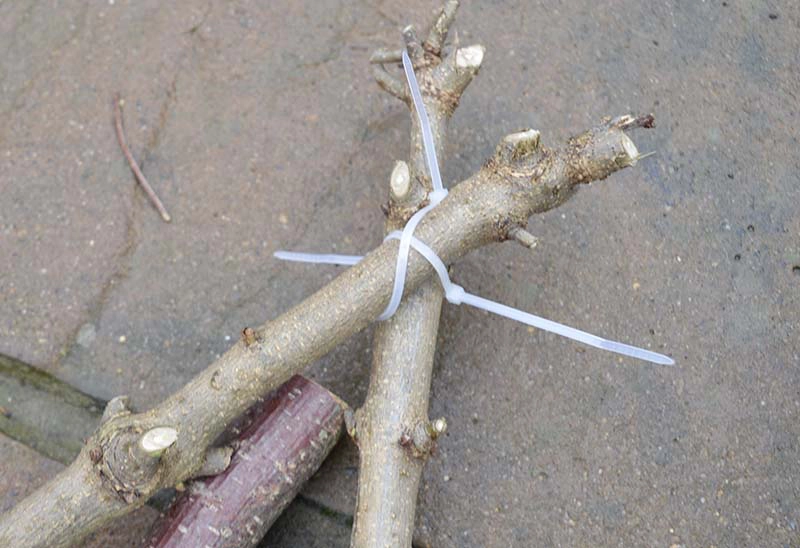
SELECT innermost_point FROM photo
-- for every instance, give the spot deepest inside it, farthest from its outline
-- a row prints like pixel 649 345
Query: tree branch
pixel 441 27
pixel 479 211
pixel 392 429
pixel 290 436
pixel 52 417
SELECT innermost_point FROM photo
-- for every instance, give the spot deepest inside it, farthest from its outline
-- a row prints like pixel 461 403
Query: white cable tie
pixel 425 126
pixel 456 294
pixel 401 266
pixel 318 258
pixel 437 195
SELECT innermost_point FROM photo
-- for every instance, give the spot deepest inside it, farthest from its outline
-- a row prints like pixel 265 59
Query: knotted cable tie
pixel 454 293
pixel 436 196
pixel 401 266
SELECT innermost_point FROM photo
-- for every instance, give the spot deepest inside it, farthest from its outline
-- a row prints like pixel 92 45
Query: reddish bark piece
pixel 290 435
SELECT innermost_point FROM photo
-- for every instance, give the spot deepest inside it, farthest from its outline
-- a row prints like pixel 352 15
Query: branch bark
pixel 515 183
pixel 53 418
pixel 291 435
pixel 392 429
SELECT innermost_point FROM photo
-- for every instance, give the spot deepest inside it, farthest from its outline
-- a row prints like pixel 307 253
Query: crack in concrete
pixel 163 114
pixel 202 21
pixel 341 518
pixel 122 259
pixel 119 273
pixel 381 10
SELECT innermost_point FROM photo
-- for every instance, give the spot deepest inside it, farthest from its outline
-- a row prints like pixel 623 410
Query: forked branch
pixel 392 429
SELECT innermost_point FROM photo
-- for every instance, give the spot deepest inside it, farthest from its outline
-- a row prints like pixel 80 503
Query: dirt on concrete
pixel 260 127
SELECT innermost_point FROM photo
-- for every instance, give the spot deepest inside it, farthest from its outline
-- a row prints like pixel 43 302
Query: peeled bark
pixel 289 438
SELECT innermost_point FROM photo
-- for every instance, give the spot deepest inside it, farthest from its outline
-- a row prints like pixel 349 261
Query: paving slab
pixel 260 127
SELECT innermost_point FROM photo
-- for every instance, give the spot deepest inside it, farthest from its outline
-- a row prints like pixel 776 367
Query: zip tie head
pixel 455 294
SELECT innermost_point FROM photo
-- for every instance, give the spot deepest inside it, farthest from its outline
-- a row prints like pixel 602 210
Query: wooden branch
pixel 293 432
pixel 53 418
pixel 441 27
pixel 392 429
pixel 481 210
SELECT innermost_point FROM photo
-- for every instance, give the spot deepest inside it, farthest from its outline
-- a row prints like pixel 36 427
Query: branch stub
pixel 400 181
pixel 470 57
pixel 156 440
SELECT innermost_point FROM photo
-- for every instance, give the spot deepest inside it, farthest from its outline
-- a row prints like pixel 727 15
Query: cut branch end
pixel 438 427
pixel 156 440
pixel 413 44
pixel 523 237
pixel 470 57
pixel 521 144
pixel 400 181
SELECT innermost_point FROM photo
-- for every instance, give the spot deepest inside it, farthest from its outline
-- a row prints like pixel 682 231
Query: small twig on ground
pixel 132 162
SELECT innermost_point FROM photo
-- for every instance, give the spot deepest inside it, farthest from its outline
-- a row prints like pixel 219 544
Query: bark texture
pixel 109 478
pixel 392 429
pixel 292 433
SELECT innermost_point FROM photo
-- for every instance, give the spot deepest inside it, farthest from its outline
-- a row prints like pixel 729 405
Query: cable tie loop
pixel 454 293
